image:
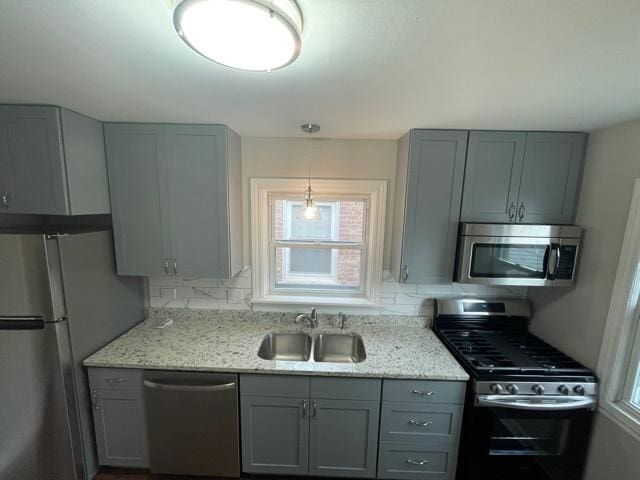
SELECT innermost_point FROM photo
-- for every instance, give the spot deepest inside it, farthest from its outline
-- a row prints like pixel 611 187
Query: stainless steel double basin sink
pixel 326 347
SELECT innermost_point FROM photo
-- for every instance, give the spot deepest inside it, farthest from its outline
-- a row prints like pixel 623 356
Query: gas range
pixel 529 407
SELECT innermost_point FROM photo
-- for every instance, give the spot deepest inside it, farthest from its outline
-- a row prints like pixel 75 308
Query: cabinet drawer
pixel 416 461
pixel 415 422
pixel 115 378
pixel 286 386
pixel 345 388
pixel 423 391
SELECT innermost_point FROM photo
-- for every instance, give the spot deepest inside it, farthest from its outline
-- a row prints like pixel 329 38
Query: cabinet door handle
pixel 175 266
pixel 4 199
pixel 116 381
pixel 521 211
pixel 304 409
pixel 420 392
pixel 420 424
pixel 404 276
pixel 512 211
pixel 166 266
pixel 314 404
pixel 411 461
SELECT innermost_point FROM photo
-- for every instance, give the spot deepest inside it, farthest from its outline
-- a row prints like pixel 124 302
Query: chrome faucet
pixel 312 318
pixel 343 320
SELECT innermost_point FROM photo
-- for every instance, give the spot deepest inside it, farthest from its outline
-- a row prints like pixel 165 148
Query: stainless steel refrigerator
pixel 60 301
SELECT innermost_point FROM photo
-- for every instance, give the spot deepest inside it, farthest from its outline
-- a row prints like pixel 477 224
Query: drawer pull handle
pixel 115 381
pixel 411 461
pixel 420 424
pixel 418 392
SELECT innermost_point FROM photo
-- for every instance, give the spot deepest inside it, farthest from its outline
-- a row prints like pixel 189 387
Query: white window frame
pixel 618 363
pixel 329 278
pixel 374 192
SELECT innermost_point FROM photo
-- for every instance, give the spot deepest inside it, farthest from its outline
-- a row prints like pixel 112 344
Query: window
pixel 619 365
pixel 335 259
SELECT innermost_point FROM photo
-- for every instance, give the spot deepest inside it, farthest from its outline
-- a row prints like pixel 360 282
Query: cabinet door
pixel 344 438
pixel 34 151
pixel 492 177
pixel 275 435
pixel 6 187
pixel 551 177
pixel 434 191
pixel 136 160
pixel 197 174
pixel 120 426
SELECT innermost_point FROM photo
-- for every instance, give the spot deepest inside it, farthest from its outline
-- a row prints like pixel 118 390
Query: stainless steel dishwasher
pixel 192 423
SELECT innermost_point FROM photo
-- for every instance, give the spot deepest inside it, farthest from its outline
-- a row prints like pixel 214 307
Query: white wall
pixel 573 320
pixel 288 157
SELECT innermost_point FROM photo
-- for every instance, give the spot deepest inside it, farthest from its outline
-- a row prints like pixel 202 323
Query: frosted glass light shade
pixel 257 35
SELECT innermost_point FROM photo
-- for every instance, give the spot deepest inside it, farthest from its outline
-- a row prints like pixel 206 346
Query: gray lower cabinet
pixel 524 177
pixel 419 429
pixel 119 417
pixel 309 426
pixel 429 180
pixel 52 162
pixel 275 435
pixel 176 199
pixel 343 438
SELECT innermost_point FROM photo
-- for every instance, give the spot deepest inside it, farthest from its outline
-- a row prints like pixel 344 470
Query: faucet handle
pixel 343 320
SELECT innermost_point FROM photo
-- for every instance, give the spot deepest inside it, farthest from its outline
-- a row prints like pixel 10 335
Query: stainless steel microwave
pixel 508 254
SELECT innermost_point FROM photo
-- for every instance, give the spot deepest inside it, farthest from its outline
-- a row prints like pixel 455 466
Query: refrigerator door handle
pixel 21 323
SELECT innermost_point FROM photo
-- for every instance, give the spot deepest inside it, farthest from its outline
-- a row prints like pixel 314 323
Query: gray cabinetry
pixel 119 417
pixel 419 429
pixel 429 179
pixel 52 162
pixel 176 199
pixel 551 177
pixel 492 177
pixel 522 177
pixel 309 426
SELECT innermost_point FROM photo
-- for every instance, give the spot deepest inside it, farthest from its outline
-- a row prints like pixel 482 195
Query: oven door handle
pixel 528 402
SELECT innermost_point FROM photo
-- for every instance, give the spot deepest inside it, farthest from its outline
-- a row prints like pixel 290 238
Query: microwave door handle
pixel 555 247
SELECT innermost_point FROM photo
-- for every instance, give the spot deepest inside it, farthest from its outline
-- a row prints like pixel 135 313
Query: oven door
pixel 525 438
pixel 526 261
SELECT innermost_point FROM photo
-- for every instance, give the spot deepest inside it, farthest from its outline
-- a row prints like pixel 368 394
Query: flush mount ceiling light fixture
pixel 257 35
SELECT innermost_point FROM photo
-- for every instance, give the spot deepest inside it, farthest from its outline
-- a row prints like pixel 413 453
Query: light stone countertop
pixel 228 341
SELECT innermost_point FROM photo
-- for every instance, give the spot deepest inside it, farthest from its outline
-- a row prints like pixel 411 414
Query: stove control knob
pixel 563 389
pixel 579 390
pixel 538 389
pixel 512 389
pixel 496 388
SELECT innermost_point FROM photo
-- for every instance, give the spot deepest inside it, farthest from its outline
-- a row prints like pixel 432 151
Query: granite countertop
pixel 215 341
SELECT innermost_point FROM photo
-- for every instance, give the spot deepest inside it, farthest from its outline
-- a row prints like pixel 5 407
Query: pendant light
pixel 257 35
pixel 310 211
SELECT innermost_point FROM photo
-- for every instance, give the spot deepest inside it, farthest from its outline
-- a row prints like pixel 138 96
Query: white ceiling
pixel 368 69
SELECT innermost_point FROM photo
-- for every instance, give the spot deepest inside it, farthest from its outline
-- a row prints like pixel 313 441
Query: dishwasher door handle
pixel 190 388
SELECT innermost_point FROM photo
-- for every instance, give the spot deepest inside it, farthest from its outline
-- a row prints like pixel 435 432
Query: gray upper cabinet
pixel 176 199
pixel 522 177
pixel 550 177
pixel 52 162
pixel 429 180
pixel 492 178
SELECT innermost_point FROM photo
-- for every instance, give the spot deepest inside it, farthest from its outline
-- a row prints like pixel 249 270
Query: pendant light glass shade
pixel 257 35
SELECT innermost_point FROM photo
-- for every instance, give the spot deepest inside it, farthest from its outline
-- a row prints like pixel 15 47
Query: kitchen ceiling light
pixel 310 211
pixel 257 35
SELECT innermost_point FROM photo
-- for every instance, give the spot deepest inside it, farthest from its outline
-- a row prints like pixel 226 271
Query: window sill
pixel 623 416
pixel 290 303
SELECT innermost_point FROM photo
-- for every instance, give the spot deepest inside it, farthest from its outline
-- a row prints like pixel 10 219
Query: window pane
pixel 318 268
pixel 339 221
pixel 308 261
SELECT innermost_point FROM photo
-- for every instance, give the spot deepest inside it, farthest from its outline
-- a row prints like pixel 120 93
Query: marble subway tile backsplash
pixel 235 294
